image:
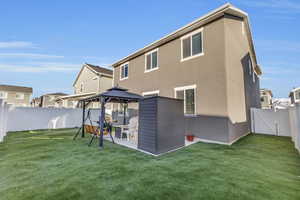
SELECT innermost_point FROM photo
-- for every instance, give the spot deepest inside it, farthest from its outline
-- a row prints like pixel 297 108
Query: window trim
pixel 22 95
pixel 5 95
pixel 124 78
pixel 81 86
pixel 152 69
pixel 151 92
pixel 295 96
pixel 184 88
pixel 243 27
pixel 190 36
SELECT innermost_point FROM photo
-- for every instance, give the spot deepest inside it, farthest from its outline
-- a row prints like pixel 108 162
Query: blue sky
pixel 43 44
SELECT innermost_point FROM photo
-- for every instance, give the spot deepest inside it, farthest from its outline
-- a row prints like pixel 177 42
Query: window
pixel 3 95
pixel 151 94
pixel 187 94
pixel 81 87
pixel 19 96
pixel 192 45
pixel 243 28
pixel 151 62
pixel 297 95
pixel 124 71
pixel 253 77
pixel 250 65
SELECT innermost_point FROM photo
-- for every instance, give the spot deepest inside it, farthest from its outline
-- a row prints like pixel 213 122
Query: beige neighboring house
pixel 266 99
pixel 295 96
pixel 49 100
pixel 91 80
pixel 210 64
pixel 16 95
pixel 36 102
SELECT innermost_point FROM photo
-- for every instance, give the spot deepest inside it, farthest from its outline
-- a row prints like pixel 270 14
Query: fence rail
pixel 28 118
pixel 285 122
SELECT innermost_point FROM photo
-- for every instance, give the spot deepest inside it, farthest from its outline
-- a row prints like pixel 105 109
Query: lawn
pixel 50 165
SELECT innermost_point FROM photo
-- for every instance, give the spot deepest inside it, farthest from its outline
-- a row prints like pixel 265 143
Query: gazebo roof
pixel 116 95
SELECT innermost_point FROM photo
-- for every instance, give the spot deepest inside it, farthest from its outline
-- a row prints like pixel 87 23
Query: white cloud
pixel 29 55
pixel 278 6
pixel 41 68
pixel 278 45
pixel 16 45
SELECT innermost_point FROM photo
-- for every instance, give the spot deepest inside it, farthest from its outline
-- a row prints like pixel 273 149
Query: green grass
pixel 50 165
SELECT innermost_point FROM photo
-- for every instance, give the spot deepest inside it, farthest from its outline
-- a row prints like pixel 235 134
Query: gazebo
pixel 113 95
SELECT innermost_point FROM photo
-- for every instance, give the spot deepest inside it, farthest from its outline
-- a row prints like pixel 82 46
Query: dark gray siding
pixel 147 136
pixel 170 133
pixel 252 89
pixel 161 124
pixel 208 128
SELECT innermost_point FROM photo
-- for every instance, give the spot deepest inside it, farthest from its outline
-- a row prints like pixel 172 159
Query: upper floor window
pixel 297 95
pixel 188 95
pixel 81 87
pixel 250 65
pixel 19 96
pixel 124 71
pixel 151 62
pixel 192 45
pixel 3 95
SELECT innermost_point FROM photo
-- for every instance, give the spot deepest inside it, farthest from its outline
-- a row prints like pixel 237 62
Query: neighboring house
pixel 266 98
pixel 281 103
pixel 210 64
pixel 36 102
pixel 16 95
pixel 295 96
pixel 90 80
pixel 49 100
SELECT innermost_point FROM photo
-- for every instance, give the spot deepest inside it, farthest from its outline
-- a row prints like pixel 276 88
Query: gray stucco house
pixel 210 64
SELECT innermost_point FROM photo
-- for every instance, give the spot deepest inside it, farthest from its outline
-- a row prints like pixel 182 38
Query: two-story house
pixel 49 100
pixel 90 80
pixel 211 64
pixel 16 95
pixel 266 98
pixel 295 95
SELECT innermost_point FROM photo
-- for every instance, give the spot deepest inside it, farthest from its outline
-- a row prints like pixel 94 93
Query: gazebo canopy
pixel 116 95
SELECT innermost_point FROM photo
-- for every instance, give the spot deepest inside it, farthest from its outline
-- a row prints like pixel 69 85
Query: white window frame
pixel 151 67
pixel 21 94
pixel 243 27
pixel 121 66
pixel 253 77
pixel 151 92
pixel 81 87
pixel 190 36
pixel 295 96
pixel 250 65
pixel 184 88
pixel 5 95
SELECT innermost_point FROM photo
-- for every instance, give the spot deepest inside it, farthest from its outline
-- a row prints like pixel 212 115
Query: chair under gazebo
pixel 113 95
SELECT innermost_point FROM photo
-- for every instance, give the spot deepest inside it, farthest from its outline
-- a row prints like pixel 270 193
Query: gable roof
pixel 215 14
pixel 56 94
pixel 95 69
pixel 16 88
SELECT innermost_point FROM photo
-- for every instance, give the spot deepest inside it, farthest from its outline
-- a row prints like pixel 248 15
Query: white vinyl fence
pixel 283 122
pixel 27 118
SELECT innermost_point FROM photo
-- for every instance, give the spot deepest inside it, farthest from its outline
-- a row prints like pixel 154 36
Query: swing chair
pixel 113 95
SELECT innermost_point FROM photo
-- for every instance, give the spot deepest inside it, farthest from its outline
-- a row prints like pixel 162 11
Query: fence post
pixel 297 122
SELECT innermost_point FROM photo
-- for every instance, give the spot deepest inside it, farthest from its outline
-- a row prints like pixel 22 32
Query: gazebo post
pixel 101 121
pixel 83 119
pixel 124 114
